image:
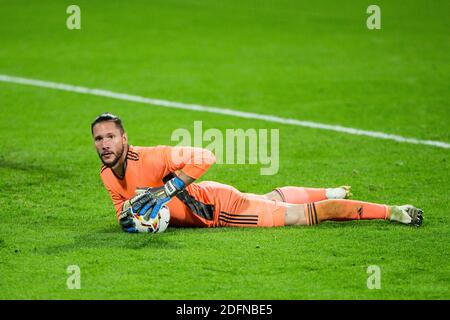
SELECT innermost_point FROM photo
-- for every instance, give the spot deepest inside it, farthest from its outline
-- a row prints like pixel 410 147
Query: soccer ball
pixel 156 225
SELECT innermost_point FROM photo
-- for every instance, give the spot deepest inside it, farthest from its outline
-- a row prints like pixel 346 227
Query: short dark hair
pixel 106 116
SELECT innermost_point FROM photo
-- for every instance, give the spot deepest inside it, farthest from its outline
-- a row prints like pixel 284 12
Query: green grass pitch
pixel 307 60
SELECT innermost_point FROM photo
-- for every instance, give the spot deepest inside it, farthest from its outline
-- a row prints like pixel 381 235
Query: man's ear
pixel 125 138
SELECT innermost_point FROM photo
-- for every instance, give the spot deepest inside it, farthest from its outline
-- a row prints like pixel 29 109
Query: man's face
pixel 109 142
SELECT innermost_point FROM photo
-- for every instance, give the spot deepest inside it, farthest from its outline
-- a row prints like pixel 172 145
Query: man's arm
pixel 193 162
pixel 186 179
pixel 189 163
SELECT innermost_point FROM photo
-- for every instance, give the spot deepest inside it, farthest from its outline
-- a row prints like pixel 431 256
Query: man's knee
pixel 295 215
pixel 274 195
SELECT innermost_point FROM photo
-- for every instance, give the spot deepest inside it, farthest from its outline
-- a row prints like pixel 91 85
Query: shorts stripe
pixel 238 219
pixel 235 222
pixel 240 215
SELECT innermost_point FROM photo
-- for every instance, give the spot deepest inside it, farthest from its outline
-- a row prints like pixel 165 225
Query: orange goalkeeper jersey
pixel 151 167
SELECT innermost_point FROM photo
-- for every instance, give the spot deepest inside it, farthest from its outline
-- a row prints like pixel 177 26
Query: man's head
pixel 110 138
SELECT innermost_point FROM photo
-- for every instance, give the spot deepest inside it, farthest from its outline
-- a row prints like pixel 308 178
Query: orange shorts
pixel 213 204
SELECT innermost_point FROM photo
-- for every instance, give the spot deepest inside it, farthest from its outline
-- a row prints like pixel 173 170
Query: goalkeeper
pixel 140 180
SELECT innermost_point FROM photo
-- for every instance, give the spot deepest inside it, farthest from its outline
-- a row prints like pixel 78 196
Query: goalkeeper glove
pixel 132 207
pixel 126 221
pixel 160 196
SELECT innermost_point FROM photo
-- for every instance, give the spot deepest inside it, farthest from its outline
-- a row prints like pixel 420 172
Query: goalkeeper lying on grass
pixel 166 175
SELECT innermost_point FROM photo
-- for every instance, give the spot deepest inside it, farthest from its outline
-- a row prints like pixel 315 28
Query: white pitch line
pixel 216 110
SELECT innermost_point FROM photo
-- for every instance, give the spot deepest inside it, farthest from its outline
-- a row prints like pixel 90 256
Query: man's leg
pixel 234 208
pixel 344 210
pixel 300 195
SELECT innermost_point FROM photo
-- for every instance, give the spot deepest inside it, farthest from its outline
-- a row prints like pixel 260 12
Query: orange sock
pixel 299 195
pixel 342 210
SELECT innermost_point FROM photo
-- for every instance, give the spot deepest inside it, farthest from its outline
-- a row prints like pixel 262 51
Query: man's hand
pixel 160 196
pixel 149 201
pixel 132 207
pixel 126 220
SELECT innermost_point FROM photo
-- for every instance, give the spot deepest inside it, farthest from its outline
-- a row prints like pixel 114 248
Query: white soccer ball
pixel 156 225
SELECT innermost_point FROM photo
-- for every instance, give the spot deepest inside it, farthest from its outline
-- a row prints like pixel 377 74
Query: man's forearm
pixel 142 199
pixel 183 176
pixel 193 162
pixel 186 179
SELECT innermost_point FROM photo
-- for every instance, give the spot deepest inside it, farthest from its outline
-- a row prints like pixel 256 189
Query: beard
pixel 117 155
